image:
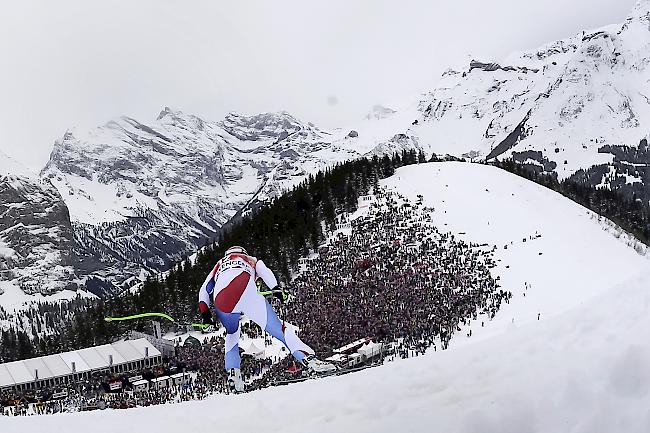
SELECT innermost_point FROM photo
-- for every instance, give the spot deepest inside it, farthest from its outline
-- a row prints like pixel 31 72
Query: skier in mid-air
pixel 231 287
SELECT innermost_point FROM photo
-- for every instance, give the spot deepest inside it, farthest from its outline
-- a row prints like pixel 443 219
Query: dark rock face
pixel 491 67
pixel 36 236
pixel 277 126
pixel 353 134
pixel 511 140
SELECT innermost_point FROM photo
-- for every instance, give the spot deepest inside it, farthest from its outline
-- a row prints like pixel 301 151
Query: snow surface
pixel 583 367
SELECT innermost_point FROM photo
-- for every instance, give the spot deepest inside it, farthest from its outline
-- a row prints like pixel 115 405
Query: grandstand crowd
pixel 395 278
pixel 388 274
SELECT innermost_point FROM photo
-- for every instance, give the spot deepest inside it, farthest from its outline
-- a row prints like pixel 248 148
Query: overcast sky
pixel 77 64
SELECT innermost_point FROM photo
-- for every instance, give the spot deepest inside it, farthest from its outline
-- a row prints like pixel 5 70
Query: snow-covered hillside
pixel 581 367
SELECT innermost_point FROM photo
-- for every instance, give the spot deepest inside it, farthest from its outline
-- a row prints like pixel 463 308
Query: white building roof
pixel 19 372
pixel 38 369
pixel 107 351
pixel 5 376
pixel 93 358
pixel 141 345
pixel 57 365
pixel 80 365
pixel 352 345
pixel 89 359
pixel 127 350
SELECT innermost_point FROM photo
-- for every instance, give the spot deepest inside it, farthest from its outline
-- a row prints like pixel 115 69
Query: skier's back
pixel 231 286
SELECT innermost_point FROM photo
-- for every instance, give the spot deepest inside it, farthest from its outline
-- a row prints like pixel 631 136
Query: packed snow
pixel 580 367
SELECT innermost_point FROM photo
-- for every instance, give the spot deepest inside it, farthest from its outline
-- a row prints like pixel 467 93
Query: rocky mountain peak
pixel 173 117
pixel 265 126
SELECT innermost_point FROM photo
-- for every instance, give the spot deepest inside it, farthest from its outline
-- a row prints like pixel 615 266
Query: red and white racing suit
pixel 232 289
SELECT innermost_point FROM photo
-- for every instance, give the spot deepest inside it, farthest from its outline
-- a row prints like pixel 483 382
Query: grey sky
pixel 79 63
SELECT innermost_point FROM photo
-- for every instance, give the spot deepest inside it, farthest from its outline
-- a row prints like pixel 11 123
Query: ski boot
pixel 317 366
pixel 235 381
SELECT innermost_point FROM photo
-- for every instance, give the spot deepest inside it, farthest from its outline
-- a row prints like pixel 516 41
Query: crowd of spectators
pixel 396 278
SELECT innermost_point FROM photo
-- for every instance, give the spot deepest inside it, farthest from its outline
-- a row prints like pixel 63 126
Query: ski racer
pixel 232 289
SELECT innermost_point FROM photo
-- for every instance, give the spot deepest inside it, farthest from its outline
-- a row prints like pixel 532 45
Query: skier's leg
pixel 287 335
pixel 258 309
pixel 230 321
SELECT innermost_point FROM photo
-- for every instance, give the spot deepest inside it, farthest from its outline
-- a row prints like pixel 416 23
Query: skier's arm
pixel 205 294
pixel 266 275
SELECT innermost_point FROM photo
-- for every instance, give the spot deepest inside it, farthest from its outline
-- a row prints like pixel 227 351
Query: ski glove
pixel 281 294
pixel 206 314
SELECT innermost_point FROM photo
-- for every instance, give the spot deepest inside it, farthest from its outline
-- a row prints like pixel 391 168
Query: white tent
pixel 66 365
pixel 128 350
pixel 57 365
pixel 5 377
pixel 74 362
pixel 19 372
pixel 255 351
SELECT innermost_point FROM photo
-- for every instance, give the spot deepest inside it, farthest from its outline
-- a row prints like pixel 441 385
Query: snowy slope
pixel 581 368
pixel 572 256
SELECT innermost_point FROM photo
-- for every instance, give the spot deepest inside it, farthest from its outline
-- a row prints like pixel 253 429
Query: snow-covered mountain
pixel 36 237
pixel 141 196
pixel 555 107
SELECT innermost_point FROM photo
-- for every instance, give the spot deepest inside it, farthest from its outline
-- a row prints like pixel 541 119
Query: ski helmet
pixel 235 250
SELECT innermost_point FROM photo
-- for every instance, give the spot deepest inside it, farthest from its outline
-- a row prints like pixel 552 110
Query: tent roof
pixel 93 358
pixel 127 350
pixel 5 376
pixel 38 369
pixel 106 351
pixel 19 372
pixel 80 365
pixel 89 359
pixel 57 365
pixel 141 345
